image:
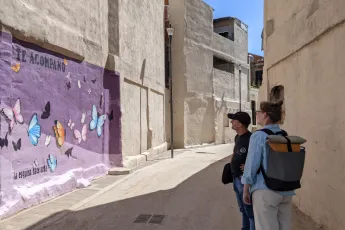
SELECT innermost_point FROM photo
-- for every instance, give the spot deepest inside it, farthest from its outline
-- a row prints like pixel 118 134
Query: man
pixel 240 122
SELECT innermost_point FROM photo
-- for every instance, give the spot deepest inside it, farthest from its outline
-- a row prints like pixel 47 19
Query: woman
pixel 272 210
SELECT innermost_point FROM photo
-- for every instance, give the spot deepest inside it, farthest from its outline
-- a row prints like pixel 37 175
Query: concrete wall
pixel 127 38
pixel 199 108
pixel 141 33
pixel 198 88
pixel 310 67
pixel 223 44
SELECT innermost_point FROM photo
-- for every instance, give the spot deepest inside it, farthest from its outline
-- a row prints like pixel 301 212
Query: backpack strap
pixel 270 132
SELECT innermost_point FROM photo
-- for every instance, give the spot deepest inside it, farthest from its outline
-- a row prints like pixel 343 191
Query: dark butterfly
pixel 3 142
pixel 84 79
pixel 46 112
pixel 111 115
pixel 101 101
pixel 93 81
pixel 68 84
pixel 17 145
pixel 69 153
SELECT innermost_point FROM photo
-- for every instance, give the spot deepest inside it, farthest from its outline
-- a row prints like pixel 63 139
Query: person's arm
pixel 252 164
pixel 254 157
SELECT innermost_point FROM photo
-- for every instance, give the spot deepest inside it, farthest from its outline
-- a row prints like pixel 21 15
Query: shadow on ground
pixel 201 202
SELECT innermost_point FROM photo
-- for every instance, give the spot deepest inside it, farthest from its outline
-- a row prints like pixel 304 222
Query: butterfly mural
pixel 70 124
pixel 18 145
pixel 68 153
pixel 97 122
pixel 52 162
pixel 16 67
pixel 83 116
pixel 101 101
pixel 34 130
pixel 4 142
pixel 68 85
pixel 81 136
pixel 13 116
pixel 47 141
pixel 60 133
pixel 46 112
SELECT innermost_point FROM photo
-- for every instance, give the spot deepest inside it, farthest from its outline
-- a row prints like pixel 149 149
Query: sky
pixel 248 11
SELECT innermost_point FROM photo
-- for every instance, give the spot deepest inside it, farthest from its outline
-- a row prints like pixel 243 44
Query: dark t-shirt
pixel 240 153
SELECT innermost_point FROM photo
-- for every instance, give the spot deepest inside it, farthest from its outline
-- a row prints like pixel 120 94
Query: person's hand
pixel 246 198
pixel 242 167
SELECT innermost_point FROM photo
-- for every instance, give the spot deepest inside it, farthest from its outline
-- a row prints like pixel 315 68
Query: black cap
pixel 242 117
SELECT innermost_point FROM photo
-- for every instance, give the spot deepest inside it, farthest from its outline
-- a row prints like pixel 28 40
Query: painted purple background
pixel 35 84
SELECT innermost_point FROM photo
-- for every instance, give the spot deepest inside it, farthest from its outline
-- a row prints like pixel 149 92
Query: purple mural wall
pixel 60 124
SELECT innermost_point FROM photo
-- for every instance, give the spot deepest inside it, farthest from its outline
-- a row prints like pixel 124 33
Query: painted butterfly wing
pixel 52 162
pixel 68 84
pixel 34 130
pixel 17 112
pixel 59 133
pixel 93 122
pixel 18 145
pixel 69 152
pixel 100 124
pixel 77 135
pixel 5 141
pixel 46 112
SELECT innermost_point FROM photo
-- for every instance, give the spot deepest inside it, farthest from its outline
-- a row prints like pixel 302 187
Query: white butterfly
pixel 81 136
pixel 47 141
pixel 79 84
pixel 35 163
pixel 68 76
pixel 13 116
pixel 70 124
pixel 83 116
pixel 89 91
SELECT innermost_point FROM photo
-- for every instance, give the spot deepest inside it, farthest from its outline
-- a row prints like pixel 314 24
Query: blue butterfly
pixel 97 122
pixel 34 130
pixel 52 162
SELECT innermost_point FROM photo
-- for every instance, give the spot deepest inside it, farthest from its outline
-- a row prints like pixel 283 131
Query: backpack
pixel 285 161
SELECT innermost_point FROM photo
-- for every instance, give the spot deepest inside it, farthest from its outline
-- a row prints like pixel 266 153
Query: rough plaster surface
pixel 223 44
pixel 42 78
pixel 141 64
pixel 56 25
pixel 199 86
pixel 311 61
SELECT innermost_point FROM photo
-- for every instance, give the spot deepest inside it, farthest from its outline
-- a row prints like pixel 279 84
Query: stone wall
pixel 310 67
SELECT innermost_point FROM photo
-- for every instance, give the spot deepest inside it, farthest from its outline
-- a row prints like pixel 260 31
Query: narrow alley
pixel 186 191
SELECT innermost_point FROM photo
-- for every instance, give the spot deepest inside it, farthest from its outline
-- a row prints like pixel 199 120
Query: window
pixel 258 78
pixel 223 65
pixel 277 94
pixel 224 34
pixel 253 107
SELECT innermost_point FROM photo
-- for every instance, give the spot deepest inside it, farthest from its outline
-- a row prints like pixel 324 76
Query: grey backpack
pixel 285 161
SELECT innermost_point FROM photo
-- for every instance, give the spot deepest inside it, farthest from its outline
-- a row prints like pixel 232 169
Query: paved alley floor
pixel 184 193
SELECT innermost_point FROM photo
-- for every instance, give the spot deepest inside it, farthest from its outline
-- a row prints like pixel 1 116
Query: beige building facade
pixel 207 55
pixel 304 46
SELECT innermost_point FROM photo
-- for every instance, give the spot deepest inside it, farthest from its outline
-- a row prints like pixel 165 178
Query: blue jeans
pixel 246 210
